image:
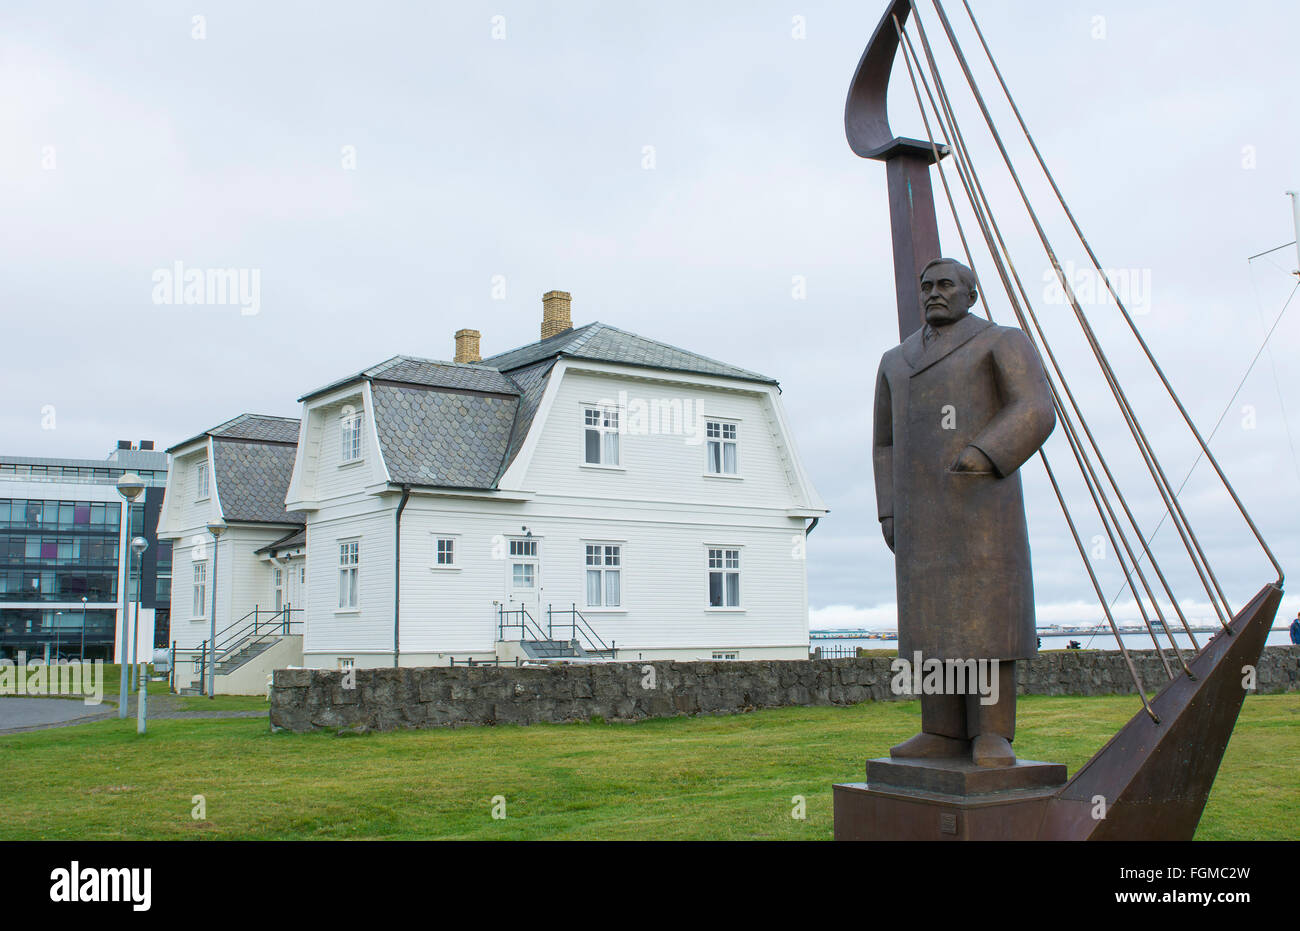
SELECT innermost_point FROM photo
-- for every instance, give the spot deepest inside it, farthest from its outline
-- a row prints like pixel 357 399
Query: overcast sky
pixel 675 166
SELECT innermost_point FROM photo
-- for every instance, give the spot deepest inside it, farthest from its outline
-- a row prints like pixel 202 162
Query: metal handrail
pixel 594 643
pixel 278 624
pixel 526 624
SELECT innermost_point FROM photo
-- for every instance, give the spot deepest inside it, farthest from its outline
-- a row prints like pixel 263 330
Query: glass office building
pixel 61 533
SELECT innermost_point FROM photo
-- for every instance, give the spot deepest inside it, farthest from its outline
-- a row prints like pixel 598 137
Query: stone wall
pixel 383 699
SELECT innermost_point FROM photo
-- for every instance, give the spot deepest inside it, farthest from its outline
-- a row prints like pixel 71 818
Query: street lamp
pixel 138 546
pixel 82 655
pixel 57 624
pixel 216 528
pixel 129 486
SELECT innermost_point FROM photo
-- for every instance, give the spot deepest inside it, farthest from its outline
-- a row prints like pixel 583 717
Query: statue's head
pixel 947 291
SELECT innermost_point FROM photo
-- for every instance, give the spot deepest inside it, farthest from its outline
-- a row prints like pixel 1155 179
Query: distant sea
pixel 1102 640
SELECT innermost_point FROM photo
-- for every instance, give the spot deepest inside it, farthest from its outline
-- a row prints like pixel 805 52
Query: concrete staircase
pixel 246 653
pixel 552 649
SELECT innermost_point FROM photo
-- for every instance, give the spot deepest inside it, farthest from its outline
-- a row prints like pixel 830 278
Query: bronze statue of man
pixel 961 404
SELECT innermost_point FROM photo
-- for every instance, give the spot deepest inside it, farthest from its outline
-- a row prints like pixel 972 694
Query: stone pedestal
pixel 950 799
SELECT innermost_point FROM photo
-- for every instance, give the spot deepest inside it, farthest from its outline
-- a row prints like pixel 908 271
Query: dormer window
pixel 201 481
pixel 350 429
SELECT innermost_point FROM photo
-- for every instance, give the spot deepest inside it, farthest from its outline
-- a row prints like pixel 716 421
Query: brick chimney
pixel 555 313
pixel 467 346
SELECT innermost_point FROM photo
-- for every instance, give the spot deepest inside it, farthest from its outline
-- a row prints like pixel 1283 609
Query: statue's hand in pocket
pixel 971 460
pixel 887 528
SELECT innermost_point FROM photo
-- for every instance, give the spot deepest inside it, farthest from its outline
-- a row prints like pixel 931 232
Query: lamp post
pixel 57 625
pixel 138 546
pixel 129 486
pixel 82 655
pixel 216 528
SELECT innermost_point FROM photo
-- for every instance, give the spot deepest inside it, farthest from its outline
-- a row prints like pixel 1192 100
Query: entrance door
pixel 524 580
pixel 294 590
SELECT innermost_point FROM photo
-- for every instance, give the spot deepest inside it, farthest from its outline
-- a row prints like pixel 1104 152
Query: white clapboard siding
pixel 370 627
pixel 664 574
pixel 659 466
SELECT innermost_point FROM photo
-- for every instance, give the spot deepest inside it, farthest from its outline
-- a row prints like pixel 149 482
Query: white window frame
pixel 454 540
pixel 200 590
pixel 346 663
pixel 349 569
pixel 721 441
pixel 726 654
pixel 724 568
pixel 202 482
pixel 610 422
pixel 352 443
pixel 603 567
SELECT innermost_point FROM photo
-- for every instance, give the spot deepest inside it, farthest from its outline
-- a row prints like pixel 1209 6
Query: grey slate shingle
pixel 444 424
pixel 252 479
pixel 604 343
pixel 442 438
pixel 431 372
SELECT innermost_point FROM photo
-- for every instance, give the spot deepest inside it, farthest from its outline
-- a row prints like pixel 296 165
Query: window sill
pixel 731 476
pixel 351 462
pixel 713 610
pixel 602 468
pixel 602 610
pixel 348 611
pixel 445 568
pixel 195 620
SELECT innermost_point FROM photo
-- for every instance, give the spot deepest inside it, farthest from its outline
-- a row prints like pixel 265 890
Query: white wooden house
pixel 595 493
pixel 234 476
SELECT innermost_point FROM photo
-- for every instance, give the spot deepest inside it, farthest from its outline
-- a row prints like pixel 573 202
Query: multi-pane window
pixel 445 551
pixel 349 565
pixel 721 439
pixel 600 436
pixel 523 573
pixel 724 578
pixel 604 575
pixel 350 428
pixel 201 481
pixel 200 589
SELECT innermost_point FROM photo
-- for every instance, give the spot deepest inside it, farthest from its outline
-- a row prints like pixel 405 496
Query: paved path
pixel 32 714
pixel 25 714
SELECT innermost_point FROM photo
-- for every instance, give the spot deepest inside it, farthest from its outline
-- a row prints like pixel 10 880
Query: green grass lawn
pixel 727 777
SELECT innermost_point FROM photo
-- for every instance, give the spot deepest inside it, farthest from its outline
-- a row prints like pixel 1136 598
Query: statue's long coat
pixel 965 588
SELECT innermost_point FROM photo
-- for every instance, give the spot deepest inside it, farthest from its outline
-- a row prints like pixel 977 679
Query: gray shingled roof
pixel 263 427
pixel 459 425
pixel 292 540
pixel 532 383
pixel 252 479
pixel 455 376
pixel 443 438
pixel 604 343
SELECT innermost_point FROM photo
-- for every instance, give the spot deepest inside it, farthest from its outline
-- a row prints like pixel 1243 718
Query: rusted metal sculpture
pixel 1151 781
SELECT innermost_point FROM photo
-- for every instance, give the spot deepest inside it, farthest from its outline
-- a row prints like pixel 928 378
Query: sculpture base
pixel 946 799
